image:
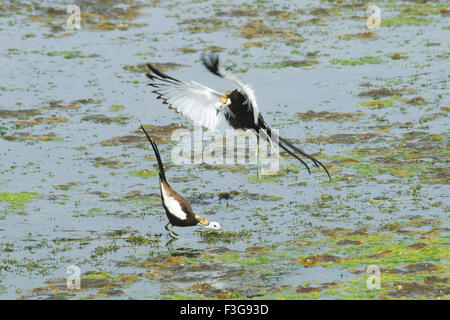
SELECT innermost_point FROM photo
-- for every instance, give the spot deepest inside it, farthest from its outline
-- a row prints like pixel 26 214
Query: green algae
pixel 160 66
pixel 19 113
pixel 288 63
pixel 144 173
pixel 17 200
pixel 376 104
pixel 328 116
pixel 233 194
pixel 101 250
pixel 71 54
pixel 25 136
pixel 213 236
pixel 382 92
pixel 406 20
pixel 403 271
pixel 142 240
pixel 116 107
pixel 359 35
pixel 100 118
pixel 358 61
pixel 39 121
pixel 103 162
pixel 263 178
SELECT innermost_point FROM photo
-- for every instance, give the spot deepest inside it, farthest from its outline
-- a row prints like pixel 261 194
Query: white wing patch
pixel 172 205
pixel 196 102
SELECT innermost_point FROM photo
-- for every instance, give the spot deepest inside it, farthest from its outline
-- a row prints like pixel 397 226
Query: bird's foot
pixel 170 242
pixel 171 233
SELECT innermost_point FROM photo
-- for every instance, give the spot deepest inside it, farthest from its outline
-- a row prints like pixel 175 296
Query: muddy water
pixel 78 183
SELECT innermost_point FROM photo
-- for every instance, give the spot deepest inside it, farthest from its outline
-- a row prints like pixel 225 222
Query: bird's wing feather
pixel 212 63
pixel 191 99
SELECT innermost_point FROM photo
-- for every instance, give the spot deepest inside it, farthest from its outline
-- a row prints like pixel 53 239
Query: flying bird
pixel 217 111
pixel 178 210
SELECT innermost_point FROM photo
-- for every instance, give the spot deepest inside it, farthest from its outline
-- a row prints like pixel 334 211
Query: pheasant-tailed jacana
pixel 235 109
pixel 178 210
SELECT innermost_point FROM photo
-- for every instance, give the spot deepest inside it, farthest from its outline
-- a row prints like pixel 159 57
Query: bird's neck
pixel 201 220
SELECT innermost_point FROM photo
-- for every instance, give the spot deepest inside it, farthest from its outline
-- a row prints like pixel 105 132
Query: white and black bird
pixel 178 210
pixel 217 111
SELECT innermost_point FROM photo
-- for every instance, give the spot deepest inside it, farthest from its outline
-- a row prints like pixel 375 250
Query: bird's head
pixel 225 100
pixel 207 224
pixel 213 225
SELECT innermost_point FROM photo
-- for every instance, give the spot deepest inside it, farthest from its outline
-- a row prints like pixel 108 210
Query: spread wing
pixel 191 99
pixel 212 63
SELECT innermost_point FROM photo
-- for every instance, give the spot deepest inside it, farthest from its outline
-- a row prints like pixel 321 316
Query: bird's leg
pixel 171 233
pixel 169 243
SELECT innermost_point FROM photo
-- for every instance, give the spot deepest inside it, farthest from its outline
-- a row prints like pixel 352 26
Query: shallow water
pixel 72 191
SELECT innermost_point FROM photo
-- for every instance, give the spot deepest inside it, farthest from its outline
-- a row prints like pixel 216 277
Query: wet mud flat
pixel 78 182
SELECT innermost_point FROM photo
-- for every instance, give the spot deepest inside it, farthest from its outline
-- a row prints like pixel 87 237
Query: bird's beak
pixel 225 97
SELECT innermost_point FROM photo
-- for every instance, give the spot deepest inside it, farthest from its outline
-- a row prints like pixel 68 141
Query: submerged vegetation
pixel 18 199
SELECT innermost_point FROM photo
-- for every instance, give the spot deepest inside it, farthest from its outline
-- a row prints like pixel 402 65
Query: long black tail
pixel 289 147
pixel 269 137
pixel 158 157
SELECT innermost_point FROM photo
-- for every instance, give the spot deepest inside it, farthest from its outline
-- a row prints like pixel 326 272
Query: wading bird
pixel 178 210
pixel 235 109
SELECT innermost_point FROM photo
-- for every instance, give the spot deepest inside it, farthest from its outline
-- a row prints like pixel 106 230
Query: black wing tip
pixel 211 62
pixel 158 73
pixel 153 69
